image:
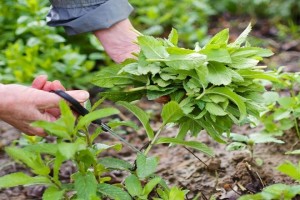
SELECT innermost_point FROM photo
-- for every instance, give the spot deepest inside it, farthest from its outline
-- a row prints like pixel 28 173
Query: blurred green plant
pixel 283 105
pixel 29 47
pixel 189 17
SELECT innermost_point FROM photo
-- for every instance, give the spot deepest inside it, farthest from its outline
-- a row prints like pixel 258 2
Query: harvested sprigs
pixel 216 86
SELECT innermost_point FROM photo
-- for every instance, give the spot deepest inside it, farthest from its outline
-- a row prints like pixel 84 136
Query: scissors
pixel 78 108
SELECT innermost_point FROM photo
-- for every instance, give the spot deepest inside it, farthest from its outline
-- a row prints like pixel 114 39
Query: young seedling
pixel 241 142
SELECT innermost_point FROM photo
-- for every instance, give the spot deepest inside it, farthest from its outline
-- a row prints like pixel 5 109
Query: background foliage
pixel 29 47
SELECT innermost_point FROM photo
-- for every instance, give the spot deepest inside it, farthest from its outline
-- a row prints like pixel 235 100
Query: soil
pixel 227 175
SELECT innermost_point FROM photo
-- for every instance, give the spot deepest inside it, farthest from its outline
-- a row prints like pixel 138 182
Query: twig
pixel 196 156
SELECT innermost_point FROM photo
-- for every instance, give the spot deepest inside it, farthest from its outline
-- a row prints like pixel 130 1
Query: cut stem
pixel 154 139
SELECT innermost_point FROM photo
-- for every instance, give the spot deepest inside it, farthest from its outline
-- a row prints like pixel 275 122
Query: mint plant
pixel 75 144
pixel 216 86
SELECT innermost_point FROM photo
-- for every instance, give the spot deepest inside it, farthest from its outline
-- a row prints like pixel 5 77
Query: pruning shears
pixel 78 108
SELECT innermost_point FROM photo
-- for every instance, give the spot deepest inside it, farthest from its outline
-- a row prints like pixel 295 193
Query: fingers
pixel 51 100
pixel 39 82
pixel 56 85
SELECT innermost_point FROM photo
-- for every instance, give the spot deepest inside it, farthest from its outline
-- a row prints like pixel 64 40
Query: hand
pixel 23 105
pixel 119 40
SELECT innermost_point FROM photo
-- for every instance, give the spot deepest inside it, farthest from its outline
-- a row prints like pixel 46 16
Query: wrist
pixel 119 41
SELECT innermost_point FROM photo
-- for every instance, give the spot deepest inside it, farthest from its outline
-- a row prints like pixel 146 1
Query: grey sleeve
pixel 80 16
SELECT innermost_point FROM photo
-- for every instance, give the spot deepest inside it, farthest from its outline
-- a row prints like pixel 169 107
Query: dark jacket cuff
pixel 101 17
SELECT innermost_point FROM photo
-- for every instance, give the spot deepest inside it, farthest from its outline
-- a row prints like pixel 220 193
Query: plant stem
pixel 137 89
pixel 154 139
pixel 297 128
pixel 89 144
pixel 157 60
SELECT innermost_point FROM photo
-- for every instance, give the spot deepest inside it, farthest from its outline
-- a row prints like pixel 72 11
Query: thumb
pixel 51 100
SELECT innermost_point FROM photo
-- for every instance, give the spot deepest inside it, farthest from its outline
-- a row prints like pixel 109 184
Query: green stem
pixel 156 60
pixel 137 89
pixel 89 143
pixel 297 128
pixel 154 139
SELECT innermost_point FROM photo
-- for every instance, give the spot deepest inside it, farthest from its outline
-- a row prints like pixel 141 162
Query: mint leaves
pixel 215 85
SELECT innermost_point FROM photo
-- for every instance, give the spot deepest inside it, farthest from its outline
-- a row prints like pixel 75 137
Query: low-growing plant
pixel 216 86
pixel 283 105
pixel 75 144
pixel 276 191
pixel 280 191
pixel 242 142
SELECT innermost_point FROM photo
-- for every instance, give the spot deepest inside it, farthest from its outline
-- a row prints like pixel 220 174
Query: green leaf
pixel 108 77
pixel 173 36
pixel 19 178
pixel 286 102
pixel 85 184
pixel 145 166
pixel 263 138
pixel 236 146
pixel 216 54
pixel 56 128
pixel 150 186
pixel 151 47
pixel 280 191
pixel 98 114
pixel 113 192
pixel 32 160
pixel 41 148
pixel 67 116
pixel 152 68
pixel 251 51
pixel 270 97
pixel 131 124
pixel 224 91
pixel 242 38
pixel 53 193
pixel 154 94
pixel 215 109
pixel 115 163
pixel 171 112
pixel 176 194
pixel 220 38
pixel 133 185
pixel 141 115
pixel 193 144
pixel 218 74
pixel 124 96
pixel 250 74
pixel 243 63
pixel 293 152
pixel 68 150
pixel 209 128
pixel 290 169
pixel 182 59
pixel 238 137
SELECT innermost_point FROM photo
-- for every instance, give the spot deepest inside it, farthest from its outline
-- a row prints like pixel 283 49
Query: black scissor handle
pixel 75 105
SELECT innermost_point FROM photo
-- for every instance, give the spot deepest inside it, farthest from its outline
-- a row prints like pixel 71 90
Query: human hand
pixel 23 105
pixel 119 40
